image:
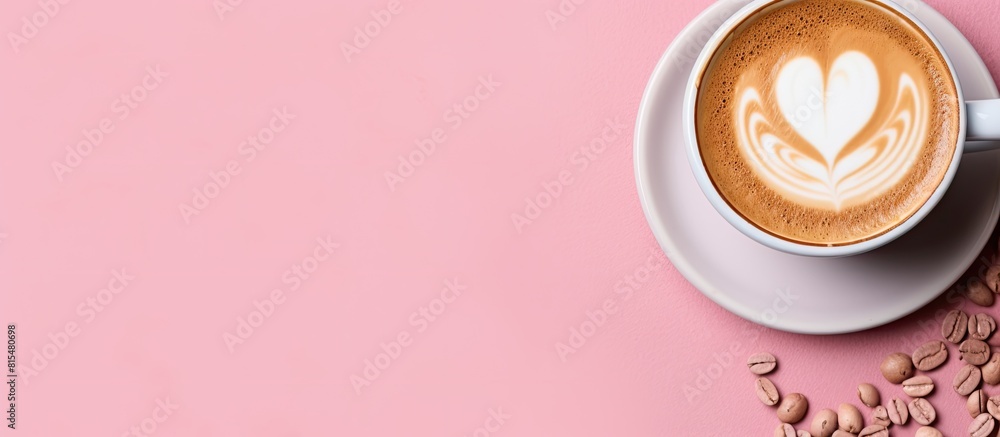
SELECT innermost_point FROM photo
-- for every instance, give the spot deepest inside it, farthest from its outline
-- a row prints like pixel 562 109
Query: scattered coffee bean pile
pixel 982 365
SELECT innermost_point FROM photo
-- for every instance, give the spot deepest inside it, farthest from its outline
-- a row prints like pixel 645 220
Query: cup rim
pixel 753 231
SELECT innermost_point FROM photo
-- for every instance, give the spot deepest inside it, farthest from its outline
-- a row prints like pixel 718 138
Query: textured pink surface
pixel 360 261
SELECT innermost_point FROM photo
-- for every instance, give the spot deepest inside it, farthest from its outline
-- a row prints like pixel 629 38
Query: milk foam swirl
pixel 832 139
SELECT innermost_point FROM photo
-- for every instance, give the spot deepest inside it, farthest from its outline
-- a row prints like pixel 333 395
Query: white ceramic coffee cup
pixel 979 120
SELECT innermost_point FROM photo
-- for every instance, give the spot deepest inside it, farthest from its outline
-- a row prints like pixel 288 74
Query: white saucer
pixel 826 296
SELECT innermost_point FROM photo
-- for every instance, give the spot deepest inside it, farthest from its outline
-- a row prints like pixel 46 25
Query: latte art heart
pixel 822 142
pixel 845 103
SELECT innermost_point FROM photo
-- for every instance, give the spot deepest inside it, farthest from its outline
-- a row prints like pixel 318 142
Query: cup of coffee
pixel 828 127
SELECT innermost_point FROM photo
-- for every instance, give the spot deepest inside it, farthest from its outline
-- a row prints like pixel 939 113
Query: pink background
pixel 174 336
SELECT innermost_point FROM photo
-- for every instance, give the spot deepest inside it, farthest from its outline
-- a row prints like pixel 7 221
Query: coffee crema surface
pixel 827 122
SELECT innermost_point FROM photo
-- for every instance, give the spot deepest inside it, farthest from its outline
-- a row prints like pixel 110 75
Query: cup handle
pixel 983 125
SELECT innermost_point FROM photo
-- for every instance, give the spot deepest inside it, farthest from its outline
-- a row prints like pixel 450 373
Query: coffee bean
pixel 930 356
pixel 880 416
pixel 897 367
pixel 922 411
pixel 967 380
pixel 976 404
pixel 825 423
pixel 874 431
pixel 993 406
pixel 975 352
pixel 898 413
pixel 793 408
pixel 981 326
pixel 869 395
pixel 954 326
pixel 849 418
pixel 762 363
pixel 918 386
pixel 767 392
pixel 991 370
pixel 982 426
pixel 978 292
pixel 839 433
pixel 926 431
pixel 992 278
pixel 785 430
